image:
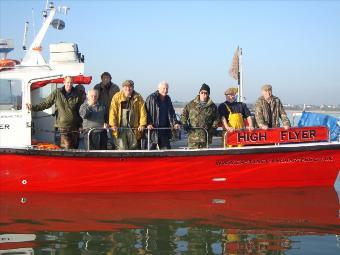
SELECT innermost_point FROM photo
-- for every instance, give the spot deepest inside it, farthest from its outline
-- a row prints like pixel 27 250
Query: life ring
pixel 47 146
pixel 44 146
pixel 6 63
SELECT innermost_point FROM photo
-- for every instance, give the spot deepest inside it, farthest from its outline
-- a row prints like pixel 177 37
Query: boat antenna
pixel 24 43
pixel 33 22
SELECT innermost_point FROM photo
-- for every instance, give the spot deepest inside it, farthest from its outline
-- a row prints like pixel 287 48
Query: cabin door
pixel 15 119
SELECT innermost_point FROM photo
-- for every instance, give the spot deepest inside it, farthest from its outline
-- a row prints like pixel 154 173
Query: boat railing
pixel 170 128
pixel 149 131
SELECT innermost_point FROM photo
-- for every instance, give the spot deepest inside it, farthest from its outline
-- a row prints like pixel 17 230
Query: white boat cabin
pixel 30 82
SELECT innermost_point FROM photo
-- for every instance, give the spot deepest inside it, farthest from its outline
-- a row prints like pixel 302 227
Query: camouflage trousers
pixel 197 139
pixel 197 145
pixel 69 138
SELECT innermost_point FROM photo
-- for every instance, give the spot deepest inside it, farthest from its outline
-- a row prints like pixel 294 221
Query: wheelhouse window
pixel 10 95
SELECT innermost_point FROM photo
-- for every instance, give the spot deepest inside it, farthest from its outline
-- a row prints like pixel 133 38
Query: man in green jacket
pixel 200 113
pixel 67 102
pixel 269 110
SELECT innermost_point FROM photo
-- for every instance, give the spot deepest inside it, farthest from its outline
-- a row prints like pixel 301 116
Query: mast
pixel 33 55
pixel 240 77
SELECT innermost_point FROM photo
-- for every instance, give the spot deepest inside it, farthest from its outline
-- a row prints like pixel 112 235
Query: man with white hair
pixel 94 116
pixel 161 114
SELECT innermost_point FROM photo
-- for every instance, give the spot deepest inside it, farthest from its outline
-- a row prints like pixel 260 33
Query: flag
pixel 234 69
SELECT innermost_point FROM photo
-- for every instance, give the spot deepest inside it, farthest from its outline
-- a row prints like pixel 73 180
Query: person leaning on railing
pixel 67 101
pixel 199 114
pixel 127 117
pixel 233 113
pixel 94 116
pixel 161 114
pixel 269 110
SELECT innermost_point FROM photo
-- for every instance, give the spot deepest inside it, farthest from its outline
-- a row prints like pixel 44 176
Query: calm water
pixel 280 221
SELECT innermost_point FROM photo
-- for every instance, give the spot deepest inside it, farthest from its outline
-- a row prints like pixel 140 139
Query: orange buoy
pixel 5 63
pixel 46 146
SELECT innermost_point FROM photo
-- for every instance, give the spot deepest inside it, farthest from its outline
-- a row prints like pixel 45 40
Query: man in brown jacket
pixel 269 110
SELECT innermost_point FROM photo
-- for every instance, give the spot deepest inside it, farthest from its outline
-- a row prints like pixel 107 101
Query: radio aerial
pixel 58 24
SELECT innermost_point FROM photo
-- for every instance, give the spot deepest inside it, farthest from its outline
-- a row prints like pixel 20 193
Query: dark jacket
pixel 152 108
pixel 67 108
pixel 105 94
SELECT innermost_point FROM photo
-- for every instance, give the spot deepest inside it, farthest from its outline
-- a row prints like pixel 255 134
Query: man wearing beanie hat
pixel 200 113
pixel 233 113
pixel 269 110
pixel 128 113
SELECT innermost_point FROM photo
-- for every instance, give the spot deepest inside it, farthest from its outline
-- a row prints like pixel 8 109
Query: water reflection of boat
pixel 223 221
pixel 297 210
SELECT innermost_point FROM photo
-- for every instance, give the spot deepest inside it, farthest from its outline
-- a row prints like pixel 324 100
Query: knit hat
pixel 266 87
pixel 205 87
pixel 231 91
pixel 129 83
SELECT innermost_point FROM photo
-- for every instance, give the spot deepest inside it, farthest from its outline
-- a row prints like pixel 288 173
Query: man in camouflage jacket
pixel 200 112
pixel 269 110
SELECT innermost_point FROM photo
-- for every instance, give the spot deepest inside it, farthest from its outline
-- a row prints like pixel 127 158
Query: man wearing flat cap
pixel 269 110
pixel 233 113
pixel 200 113
pixel 128 117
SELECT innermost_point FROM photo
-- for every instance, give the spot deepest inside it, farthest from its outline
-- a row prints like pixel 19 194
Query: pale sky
pixel 293 45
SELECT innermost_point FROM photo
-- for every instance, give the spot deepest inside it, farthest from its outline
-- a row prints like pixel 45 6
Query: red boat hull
pixel 75 171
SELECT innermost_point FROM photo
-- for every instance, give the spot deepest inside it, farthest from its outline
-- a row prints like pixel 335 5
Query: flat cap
pixel 129 83
pixel 231 91
pixel 267 87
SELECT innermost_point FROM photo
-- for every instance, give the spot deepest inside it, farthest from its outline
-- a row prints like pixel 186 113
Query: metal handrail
pixel 206 132
pixel 89 131
pixel 149 133
pixel 225 137
pixel 170 128
pixel 154 128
